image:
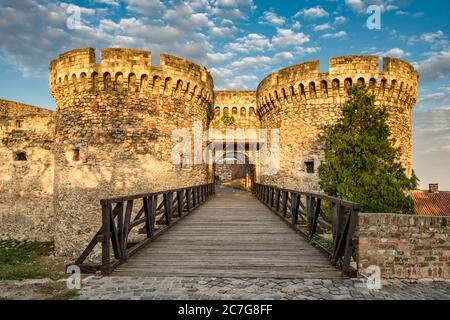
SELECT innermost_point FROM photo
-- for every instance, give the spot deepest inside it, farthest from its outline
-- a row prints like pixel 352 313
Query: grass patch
pixel 319 241
pixel 66 295
pixel 25 260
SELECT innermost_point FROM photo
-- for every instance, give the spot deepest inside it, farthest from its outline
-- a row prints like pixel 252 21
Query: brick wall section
pixel 26 187
pixel 404 246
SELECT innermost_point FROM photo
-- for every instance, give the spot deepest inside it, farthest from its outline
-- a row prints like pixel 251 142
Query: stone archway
pixel 234 166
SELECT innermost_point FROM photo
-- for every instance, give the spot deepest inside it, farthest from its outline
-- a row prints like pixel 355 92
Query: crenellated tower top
pixel 129 71
pixel 397 80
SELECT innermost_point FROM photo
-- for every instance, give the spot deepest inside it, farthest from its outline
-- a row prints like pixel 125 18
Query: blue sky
pixel 241 41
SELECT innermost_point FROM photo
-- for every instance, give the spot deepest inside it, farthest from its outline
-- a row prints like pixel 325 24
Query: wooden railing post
pixel 284 201
pixel 315 217
pixel 148 206
pixel 106 240
pixel 180 203
pixel 168 200
pixel 349 243
pixel 188 199
pixel 294 207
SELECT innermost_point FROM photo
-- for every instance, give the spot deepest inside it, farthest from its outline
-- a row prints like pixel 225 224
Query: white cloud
pixel 251 42
pixel 241 82
pixel 435 67
pixel 312 13
pixel 283 57
pixel 219 57
pixel 322 27
pixel 287 37
pixel 150 8
pixel 271 17
pixel 257 62
pixel 360 6
pixel 336 35
pixel 307 50
pixel 296 25
pixel 184 17
pixel 340 20
pixel 395 53
pixel 437 96
pixel 432 37
pixel 223 32
pixel 114 3
pixel 431 146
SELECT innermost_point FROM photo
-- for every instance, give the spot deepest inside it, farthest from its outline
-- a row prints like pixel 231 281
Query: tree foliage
pixel 361 163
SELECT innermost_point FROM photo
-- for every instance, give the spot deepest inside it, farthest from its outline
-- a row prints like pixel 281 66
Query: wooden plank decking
pixel 231 235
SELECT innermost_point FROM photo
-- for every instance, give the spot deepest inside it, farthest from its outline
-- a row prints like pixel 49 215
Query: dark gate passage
pixel 231 235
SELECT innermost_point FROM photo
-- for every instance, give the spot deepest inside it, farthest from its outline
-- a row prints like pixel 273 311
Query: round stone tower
pixel 114 123
pixel 300 100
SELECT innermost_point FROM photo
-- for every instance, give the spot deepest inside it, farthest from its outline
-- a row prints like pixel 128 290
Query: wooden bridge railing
pixel 121 220
pixel 327 222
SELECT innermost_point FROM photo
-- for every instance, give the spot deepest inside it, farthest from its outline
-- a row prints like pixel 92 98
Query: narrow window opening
pixel 19 124
pixel 21 156
pixel 76 155
pixel 309 166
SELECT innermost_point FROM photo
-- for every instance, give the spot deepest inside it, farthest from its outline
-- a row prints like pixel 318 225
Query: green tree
pixel 361 163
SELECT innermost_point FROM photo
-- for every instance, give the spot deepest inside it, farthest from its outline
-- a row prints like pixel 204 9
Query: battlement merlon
pixel 80 65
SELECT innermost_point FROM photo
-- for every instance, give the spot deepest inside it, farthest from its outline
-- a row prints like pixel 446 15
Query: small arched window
pixel 168 86
pixel 76 154
pixel 94 78
pixel 335 85
pixel 243 112
pixel 119 81
pixel 132 82
pixel 312 90
pixel 324 88
pixel 302 90
pixel 251 112
pixel 74 83
pixel 361 81
pixel 107 81
pixel 83 80
pixel 225 111
pixel 217 111
pixel 347 83
pixel 144 83
pixel 234 111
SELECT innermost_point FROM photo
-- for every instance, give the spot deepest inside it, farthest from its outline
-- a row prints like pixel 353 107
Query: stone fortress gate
pixel 112 133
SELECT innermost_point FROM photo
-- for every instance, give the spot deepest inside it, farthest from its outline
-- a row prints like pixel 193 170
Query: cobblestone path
pixel 255 288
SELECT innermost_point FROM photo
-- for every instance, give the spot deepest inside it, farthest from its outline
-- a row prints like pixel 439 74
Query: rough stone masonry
pixel 111 132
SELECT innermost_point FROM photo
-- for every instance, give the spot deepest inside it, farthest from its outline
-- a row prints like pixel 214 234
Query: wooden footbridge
pixel 197 231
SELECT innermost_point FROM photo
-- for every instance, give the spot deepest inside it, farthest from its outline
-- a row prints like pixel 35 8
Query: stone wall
pixel 241 105
pixel 404 246
pixel 228 172
pixel 27 167
pixel 300 100
pixel 114 125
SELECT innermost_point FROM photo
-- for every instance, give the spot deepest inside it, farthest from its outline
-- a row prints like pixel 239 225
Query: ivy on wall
pixel 228 120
